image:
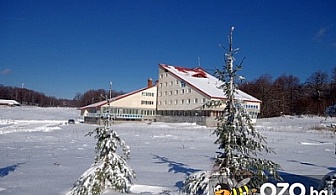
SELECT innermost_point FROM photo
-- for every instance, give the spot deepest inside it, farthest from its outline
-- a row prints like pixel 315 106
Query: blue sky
pixel 64 47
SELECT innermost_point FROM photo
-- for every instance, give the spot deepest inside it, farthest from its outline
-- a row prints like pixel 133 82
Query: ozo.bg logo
pixel 293 189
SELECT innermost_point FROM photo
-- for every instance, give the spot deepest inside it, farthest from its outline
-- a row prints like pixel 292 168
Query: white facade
pixel 185 91
pixel 180 95
pixel 175 94
pixel 9 102
pixel 136 105
pixel 140 104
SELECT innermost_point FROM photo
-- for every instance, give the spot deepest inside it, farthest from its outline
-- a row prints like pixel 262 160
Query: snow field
pixel 42 154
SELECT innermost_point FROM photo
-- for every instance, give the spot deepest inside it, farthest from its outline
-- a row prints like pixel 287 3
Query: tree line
pixel 286 95
pixel 283 95
pixel 33 98
pixel 93 96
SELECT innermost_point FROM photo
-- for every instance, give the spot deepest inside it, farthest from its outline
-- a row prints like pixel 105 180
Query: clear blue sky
pixel 63 47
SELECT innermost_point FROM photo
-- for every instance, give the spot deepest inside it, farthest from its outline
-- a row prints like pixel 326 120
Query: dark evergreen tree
pixel 239 142
pixel 109 170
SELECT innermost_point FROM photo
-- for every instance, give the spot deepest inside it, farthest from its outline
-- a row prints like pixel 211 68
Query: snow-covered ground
pixel 42 154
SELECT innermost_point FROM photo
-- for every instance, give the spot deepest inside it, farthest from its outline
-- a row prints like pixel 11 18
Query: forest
pixel 33 98
pixel 284 95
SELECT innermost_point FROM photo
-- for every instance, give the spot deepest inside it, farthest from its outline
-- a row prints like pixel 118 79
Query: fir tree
pixel 239 142
pixel 331 111
pixel 109 170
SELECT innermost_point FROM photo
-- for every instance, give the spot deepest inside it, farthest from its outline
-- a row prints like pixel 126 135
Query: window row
pixel 184 112
pixel 171 83
pixel 163 75
pixel 182 101
pixel 148 94
pixel 145 102
pixel 249 106
pixel 130 111
pixel 254 115
pixel 176 92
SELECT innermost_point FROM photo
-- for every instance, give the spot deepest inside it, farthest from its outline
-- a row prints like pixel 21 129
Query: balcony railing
pixel 116 116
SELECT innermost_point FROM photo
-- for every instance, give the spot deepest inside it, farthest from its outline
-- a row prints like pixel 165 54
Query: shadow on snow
pixel 176 167
pixel 5 170
pixel 307 180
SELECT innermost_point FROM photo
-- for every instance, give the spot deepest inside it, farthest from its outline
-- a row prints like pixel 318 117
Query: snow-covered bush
pixel 328 182
pixel 331 111
pixel 197 183
pixel 109 170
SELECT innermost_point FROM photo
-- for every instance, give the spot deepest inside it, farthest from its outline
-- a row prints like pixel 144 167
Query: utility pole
pixel 110 90
pixel 109 105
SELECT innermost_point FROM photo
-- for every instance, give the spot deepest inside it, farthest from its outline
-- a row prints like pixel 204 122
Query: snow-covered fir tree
pixel 331 111
pixel 109 170
pixel 239 142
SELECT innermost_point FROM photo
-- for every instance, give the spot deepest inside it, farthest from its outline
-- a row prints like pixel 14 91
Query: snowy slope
pixel 41 154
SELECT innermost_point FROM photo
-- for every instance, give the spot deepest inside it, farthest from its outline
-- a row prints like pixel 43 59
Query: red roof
pixel 199 72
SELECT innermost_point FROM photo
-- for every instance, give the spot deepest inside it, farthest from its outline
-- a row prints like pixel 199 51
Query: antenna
pixel 109 104
pixel 110 90
pixel 199 62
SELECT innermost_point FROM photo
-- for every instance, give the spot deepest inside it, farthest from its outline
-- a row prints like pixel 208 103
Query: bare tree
pixel 316 86
pixel 286 90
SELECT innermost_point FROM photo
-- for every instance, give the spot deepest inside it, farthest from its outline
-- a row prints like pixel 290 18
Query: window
pixel 170 102
pixel 195 101
pixel 145 102
pixel 183 84
pixel 182 91
pixel 177 82
pixel 176 101
pixel 189 90
pixel 147 94
pixel 165 93
pixel 170 92
pixel 188 101
pixel 171 83
pixel 176 92
pixel 160 94
pixel 182 101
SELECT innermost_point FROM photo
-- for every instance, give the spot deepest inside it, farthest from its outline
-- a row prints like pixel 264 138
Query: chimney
pixel 150 82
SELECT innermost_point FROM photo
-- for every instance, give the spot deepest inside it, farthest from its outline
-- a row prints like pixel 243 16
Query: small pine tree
pixel 331 111
pixel 109 170
pixel 240 143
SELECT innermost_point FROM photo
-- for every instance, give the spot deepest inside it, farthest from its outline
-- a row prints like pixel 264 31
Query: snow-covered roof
pixel 94 105
pixel 102 103
pixel 9 102
pixel 204 82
